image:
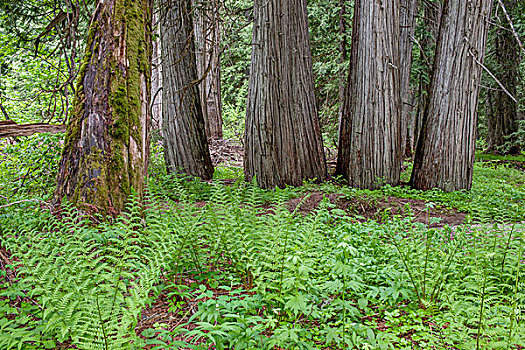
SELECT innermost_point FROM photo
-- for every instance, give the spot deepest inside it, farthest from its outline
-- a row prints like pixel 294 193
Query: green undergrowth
pixel 497 194
pixel 241 271
pixel 486 156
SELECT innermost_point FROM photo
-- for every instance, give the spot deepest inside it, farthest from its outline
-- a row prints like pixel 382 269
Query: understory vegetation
pixel 226 265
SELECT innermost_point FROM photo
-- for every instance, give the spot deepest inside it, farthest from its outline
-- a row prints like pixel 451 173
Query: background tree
pixel 445 152
pixel 406 45
pixel 207 40
pixel 428 32
pixel 370 152
pixel 283 137
pixel 502 109
pixel 106 148
pixel 185 144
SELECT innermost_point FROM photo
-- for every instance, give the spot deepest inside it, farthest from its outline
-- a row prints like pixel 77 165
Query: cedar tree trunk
pixel 207 40
pixel 431 19
pixel 283 138
pixel 407 31
pixel 445 152
pixel 106 148
pixel 185 145
pixel 156 79
pixel 370 152
pixel 502 114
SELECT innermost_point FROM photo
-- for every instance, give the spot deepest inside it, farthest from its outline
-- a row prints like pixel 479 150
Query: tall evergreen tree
pixel 407 30
pixel 185 144
pixel 207 39
pixel 502 110
pixel 283 138
pixel 445 152
pixel 370 152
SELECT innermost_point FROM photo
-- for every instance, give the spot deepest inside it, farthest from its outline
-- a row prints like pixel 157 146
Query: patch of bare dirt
pixel 364 208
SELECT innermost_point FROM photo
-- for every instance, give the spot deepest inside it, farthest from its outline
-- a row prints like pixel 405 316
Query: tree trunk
pixel 445 151
pixel 283 138
pixel 207 39
pixel 185 145
pixel 105 154
pixel 431 19
pixel 370 152
pixel 342 59
pixel 407 30
pixel 502 117
pixel 156 79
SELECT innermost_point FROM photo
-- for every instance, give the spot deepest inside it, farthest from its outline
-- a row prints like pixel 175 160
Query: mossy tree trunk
pixel 283 138
pixel 185 145
pixel 370 152
pixel 502 110
pixel 445 152
pixel 105 154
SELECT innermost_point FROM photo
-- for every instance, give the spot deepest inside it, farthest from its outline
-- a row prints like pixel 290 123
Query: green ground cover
pixel 226 265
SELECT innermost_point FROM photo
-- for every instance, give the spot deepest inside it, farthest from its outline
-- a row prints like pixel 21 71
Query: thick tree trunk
pixel 207 40
pixel 407 30
pixel 370 152
pixel 185 145
pixel 445 152
pixel 502 117
pixel 106 148
pixel 283 138
pixel 431 19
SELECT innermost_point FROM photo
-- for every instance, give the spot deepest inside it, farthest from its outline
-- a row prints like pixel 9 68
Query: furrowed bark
pixel 283 138
pixel 185 145
pixel 445 152
pixel 207 38
pixel 106 147
pixel 370 152
pixel 502 110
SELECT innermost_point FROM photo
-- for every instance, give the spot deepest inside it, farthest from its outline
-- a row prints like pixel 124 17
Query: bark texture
pixel 207 39
pixel 445 152
pixel 343 54
pixel 431 18
pixel 406 45
pixel 185 145
pixel 370 152
pixel 283 138
pixel 502 111
pixel 156 79
pixel 106 148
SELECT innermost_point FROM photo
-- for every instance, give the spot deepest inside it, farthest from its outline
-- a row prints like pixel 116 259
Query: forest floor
pixel 225 265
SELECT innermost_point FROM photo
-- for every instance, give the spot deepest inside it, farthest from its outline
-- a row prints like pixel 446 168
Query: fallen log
pixel 9 128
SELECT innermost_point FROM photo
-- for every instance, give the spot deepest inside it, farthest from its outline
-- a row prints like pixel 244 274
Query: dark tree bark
pixel 406 45
pixel 370 152
pixel 343 54
pixel 106 147
pixel 445 152
pixel 156 79
pixel 207 39
pixel 502 111
pixel 431 19
pixel 185 145
pixel 283 138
